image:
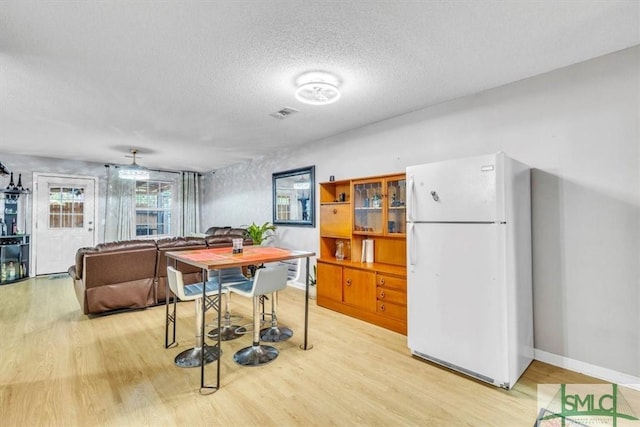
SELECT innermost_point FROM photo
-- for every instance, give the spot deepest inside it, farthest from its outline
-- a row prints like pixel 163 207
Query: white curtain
pixel 119 218
pixel 190 203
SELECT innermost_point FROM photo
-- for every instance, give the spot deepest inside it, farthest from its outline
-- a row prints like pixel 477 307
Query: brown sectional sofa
pixel 132 274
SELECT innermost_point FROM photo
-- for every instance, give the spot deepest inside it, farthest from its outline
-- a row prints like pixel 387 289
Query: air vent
pixel 284 113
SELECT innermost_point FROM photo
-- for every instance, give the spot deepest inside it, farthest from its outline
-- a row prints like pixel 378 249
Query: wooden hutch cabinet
pixel 352 211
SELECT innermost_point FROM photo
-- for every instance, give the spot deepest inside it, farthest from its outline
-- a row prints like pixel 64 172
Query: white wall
pixel 27 165
pixel 578 129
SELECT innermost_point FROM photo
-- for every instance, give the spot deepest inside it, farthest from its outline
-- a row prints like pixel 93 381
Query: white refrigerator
pixel 469 293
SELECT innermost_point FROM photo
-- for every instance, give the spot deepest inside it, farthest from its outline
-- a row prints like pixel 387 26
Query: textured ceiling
pixel 192 84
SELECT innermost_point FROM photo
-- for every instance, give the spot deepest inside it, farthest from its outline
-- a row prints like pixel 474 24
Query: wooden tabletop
pixel 215 258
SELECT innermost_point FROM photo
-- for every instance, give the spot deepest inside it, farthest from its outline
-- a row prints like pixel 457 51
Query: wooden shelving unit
pixel 350 212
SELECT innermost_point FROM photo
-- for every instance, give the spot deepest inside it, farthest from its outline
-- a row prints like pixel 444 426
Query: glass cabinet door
pixel 367 205
pixel 396 205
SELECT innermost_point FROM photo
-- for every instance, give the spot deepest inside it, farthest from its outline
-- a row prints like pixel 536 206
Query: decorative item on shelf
pixel 339 250
pixel 11 271
pixel 13 191
pixel 11 186
pixel 367 251
pixel 19 186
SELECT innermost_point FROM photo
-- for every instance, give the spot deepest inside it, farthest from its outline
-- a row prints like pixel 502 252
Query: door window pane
pixel 66 207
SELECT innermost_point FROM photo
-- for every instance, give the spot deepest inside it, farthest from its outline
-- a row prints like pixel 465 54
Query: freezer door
pixel 456 297
pixel 464 190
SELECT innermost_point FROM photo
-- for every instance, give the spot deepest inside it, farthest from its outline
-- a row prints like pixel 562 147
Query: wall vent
pixel 284 113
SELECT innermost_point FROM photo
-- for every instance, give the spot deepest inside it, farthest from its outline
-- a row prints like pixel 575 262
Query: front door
pixel 65 220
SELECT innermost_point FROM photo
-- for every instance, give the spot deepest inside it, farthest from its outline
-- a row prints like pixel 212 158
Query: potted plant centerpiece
pixel 260 233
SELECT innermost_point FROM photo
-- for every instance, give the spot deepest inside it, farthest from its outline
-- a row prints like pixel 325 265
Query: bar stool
pixel 266 280
pixel 277 333
pixel 192 357
pixel 228 276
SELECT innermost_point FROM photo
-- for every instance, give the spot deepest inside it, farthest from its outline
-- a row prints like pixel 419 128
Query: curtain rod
pixel 153 170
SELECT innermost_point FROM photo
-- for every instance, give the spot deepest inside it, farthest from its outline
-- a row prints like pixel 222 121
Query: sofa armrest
pixel 72 273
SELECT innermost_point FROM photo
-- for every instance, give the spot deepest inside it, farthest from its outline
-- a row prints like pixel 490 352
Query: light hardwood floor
pixel 60 367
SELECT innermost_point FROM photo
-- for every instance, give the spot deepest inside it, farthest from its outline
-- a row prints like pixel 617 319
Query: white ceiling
pixel 191 84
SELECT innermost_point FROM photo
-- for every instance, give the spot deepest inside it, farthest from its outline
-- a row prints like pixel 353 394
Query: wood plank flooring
pixel 59 367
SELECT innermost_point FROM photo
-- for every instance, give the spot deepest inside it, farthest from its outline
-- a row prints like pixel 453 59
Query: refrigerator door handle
pixel 410 199
pixel 412 244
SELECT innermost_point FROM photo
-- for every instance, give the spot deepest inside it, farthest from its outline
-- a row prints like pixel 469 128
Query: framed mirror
pixel 294 198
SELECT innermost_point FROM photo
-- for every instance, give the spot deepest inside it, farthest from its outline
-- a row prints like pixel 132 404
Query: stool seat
pixel 228 277
pixel 266 280
pixel 201 352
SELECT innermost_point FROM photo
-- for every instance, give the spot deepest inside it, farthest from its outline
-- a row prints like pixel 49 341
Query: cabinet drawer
pixel 391 295
pixel 392 310
pixel 336 220
pixel 391 282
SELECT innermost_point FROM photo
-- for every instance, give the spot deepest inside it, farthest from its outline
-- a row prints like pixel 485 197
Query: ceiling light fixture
pixel 134 171
pixel 317 88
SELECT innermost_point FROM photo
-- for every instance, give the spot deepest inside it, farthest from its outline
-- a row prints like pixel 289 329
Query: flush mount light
pixel 317 88
pixel 134 171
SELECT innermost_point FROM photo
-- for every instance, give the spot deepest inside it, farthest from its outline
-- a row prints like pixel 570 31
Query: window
pixel 153 208
pixel 66 207
pixel 284 207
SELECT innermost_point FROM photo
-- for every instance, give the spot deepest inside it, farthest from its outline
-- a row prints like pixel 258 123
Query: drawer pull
pixel 335 211
pixel 348 282
pixel 382 281
pixel 381 307
pixel 381 294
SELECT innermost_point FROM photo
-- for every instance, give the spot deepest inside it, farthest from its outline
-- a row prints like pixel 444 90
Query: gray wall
pixel 578 129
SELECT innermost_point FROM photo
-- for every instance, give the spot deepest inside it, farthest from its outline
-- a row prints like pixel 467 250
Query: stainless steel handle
pixel 435 196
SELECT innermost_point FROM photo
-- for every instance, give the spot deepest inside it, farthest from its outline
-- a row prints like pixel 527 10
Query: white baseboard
pixel 609 375
pixel 296 285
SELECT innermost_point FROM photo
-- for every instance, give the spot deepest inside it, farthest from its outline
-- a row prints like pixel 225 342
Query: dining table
pixel 217 259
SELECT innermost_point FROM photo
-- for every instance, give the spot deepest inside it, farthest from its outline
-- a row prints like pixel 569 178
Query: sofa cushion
pixel 179 242
pixel 126 245
pixel 217 231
